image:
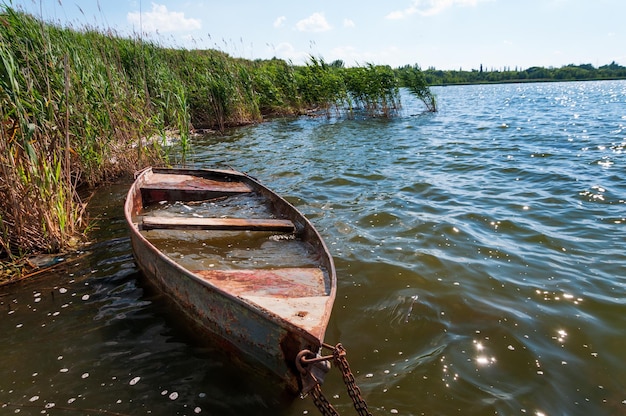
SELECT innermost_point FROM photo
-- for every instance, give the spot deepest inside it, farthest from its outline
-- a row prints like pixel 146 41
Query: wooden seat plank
pixel 162 187
pixel 244 224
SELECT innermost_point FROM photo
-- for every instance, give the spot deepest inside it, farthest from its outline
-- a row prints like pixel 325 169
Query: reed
pixel 320 85
pixel 412 78
pixel 69 117
pixel 275 87
pixel 79 107
pixel 374 88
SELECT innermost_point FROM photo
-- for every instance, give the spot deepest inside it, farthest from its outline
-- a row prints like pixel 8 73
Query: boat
pixel 239 261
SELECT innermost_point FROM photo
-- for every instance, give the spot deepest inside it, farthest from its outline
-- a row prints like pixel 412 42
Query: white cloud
pixel 286 51
pixel 348 23
pixel 279 21
pixel 350 55
pixel 162 20
pixel 430 7
pixel 355 57
pixel 314 23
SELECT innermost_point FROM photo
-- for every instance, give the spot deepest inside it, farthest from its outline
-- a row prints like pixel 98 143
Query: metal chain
pixel 322 404
pixel 339 354
pixel 340 360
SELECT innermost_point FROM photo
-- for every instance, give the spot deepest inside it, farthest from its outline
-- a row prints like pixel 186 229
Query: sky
pixel 442 34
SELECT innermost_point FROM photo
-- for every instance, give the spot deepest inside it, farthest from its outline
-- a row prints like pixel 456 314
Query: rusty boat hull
pixel 225 249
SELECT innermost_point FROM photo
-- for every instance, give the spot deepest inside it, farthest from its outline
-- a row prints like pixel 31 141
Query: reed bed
pixel 79 107
pixel 70 117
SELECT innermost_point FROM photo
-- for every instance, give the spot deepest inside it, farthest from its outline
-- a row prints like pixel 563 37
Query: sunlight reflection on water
pixel 479 253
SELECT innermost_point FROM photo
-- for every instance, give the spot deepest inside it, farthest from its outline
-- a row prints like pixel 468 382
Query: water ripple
pixel 479 252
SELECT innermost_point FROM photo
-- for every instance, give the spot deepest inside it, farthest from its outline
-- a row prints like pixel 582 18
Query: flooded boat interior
pixel 230 236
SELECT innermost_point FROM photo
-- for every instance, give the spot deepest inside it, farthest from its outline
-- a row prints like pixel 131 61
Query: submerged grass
pixel 79 107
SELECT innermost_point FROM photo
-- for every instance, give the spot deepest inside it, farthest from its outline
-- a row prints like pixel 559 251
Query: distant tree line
pixel 566 73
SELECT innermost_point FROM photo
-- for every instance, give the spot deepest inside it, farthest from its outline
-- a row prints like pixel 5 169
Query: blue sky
pixel 445 34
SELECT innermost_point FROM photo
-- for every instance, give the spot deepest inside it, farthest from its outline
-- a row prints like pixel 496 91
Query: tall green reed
pixel 67 119
pixel 79 107
pixel 413 78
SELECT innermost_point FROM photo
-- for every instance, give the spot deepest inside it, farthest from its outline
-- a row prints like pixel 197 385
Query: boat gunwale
pixel 256 185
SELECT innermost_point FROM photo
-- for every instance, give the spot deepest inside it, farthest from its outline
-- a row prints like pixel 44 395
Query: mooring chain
pixel 321 402
pixel 339 355
pixel 340 360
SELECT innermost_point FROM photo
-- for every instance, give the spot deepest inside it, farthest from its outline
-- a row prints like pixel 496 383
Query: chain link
pixel 339 355
pixel 340 360
pixel 322 404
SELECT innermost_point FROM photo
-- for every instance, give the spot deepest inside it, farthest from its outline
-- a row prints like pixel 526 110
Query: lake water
pixel 480 253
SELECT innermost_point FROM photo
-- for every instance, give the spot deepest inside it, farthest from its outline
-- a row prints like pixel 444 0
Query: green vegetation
pixel 372 89
pixel 413 78
pixel 70 116
pixel 566 73
pixel 79 107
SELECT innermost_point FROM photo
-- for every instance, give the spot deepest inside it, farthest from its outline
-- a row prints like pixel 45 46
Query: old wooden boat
pixel 238 260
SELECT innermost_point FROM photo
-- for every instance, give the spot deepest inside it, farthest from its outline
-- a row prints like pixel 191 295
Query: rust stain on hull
pixel 288 283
